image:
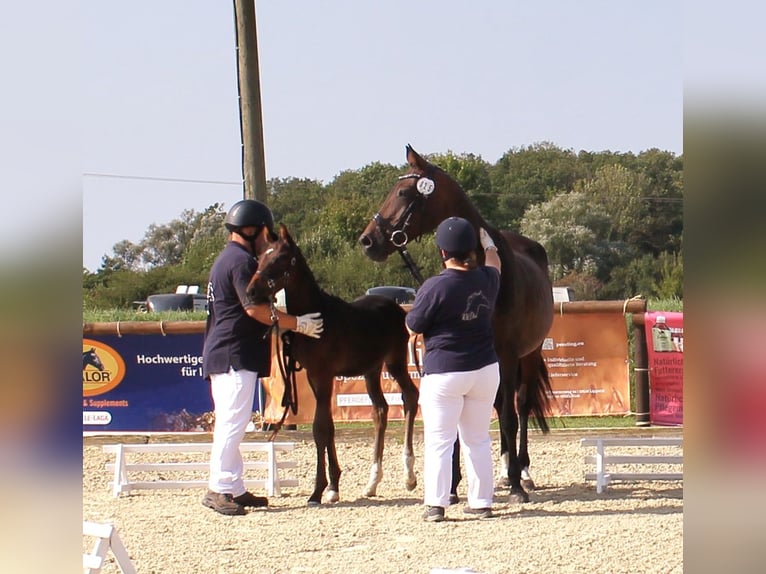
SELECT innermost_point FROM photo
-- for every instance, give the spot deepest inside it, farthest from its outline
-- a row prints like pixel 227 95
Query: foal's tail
pixel 539 393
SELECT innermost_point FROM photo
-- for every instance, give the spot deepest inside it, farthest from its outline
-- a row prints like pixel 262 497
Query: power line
pixel 167 179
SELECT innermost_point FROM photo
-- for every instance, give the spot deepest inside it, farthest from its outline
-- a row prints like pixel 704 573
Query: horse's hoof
pixel 314 503
pixel 331 497
pixel 518 497
pixel 411 484
pixel 528 484
pixel 504 482
pixel 454 499
pixel 370 492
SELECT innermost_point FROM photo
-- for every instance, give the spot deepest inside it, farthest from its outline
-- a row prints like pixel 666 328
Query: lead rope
pixel 415 354
pixel 410 264
pixel 287 368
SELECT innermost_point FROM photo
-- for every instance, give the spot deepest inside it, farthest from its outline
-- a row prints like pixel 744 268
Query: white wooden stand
pixel 122 468
pixel 604 463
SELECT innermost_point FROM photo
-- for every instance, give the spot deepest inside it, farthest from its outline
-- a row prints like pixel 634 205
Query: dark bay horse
pixel 358 339
pixel 420 200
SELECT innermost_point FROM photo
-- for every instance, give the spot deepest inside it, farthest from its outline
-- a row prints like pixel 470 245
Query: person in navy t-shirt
pixel 236 352
pixel 453 311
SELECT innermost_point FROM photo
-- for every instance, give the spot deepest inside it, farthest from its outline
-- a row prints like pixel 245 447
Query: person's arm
pixel 491 257
pixel 310 324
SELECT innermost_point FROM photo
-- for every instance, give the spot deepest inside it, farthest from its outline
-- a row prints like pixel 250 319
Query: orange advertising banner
pixel 350 400
pixel 587 359
pixel 586 355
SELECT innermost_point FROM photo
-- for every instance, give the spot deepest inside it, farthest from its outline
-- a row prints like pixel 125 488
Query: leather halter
pixel 398 235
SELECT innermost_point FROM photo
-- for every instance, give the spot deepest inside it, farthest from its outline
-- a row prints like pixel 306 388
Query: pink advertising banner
pixel 665 345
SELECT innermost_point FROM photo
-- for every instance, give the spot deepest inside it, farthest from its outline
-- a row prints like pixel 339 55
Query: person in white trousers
pixel 453 311
pixel 236 351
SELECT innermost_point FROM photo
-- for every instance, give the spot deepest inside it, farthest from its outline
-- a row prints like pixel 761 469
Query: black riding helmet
pixel 456 236
pixel 249 212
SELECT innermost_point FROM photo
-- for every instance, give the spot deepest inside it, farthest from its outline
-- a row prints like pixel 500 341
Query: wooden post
pixel 250 118
pixel 641 357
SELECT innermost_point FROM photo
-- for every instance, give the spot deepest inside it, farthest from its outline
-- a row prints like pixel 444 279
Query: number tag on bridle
pixel 425 186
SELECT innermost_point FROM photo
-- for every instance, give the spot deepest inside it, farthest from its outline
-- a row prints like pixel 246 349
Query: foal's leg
pixel 410 395
pixel 380 419
pixel 324 437
pixel 333 489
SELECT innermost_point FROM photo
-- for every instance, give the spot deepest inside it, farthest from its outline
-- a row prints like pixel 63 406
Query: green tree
pixel 616 191
pixel 529 175
pixel 472 173
pixel 565 225
pixel 296 202
pixel 352 198
pixel 662 224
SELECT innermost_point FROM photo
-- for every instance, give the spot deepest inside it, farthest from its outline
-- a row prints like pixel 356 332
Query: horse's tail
pixel 539 396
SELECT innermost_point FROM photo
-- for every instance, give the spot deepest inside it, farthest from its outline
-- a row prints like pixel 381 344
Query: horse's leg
pixel 523 410
pixel 503 474
pixel 456 474
pixel 531 398
pixel 509 424
pixel 323 432
pixel 380 420
pixel 410 396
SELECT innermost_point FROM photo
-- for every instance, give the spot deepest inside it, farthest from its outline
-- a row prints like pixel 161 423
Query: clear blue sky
pixel 344 84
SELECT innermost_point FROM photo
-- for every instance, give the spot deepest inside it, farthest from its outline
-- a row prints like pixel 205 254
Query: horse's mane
pixel 475 215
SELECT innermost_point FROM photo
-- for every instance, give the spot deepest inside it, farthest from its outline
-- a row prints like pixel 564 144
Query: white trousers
pixel 452 405
pixel 233 394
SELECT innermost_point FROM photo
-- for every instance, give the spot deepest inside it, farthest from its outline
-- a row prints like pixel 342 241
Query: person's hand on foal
pixel 310 324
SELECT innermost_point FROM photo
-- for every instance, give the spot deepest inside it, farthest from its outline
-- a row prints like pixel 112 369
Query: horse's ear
pixel 283 233
pixel 414 159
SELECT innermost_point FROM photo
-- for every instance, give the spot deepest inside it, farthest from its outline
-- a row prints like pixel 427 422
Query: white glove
pixel 486 240
pixel 310 324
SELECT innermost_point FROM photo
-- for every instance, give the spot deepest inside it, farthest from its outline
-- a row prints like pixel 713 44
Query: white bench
pixel 122 468
pixel 106 540
pixel 604 462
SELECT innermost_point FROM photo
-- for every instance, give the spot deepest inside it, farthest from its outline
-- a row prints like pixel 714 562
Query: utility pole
pixel 250 118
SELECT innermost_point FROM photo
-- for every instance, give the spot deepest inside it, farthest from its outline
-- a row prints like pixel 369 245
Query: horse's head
pixel 276 260
pixel 91 358
pixel 418 202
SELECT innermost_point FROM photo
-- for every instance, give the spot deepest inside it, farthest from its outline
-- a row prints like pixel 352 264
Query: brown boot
pixel 222 503
pixel 249 499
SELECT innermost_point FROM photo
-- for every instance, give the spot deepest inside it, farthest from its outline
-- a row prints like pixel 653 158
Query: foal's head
pixel 276 263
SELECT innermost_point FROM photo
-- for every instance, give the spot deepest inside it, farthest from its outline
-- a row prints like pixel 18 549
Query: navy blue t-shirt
pixel 232 337
pixel 453 311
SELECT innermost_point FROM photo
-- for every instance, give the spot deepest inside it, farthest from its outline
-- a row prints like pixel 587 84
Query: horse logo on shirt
pixel 473 306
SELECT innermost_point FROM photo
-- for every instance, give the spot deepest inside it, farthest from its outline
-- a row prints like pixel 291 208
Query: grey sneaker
pixel 478 512
pixel 222 503
pixel 433 514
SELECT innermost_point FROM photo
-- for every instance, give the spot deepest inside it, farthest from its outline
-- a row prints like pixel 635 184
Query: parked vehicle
pixel 186 298
pixel 402 295
pixel 563 294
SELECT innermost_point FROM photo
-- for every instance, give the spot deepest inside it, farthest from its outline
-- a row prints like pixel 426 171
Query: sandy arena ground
pixel 566 528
